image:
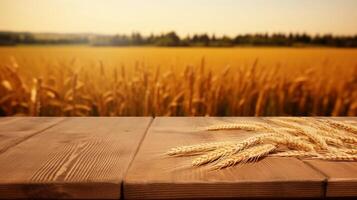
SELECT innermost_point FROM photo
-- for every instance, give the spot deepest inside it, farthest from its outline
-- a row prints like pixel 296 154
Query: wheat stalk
pixel 299 154
pixel 148 91
pixel 235 126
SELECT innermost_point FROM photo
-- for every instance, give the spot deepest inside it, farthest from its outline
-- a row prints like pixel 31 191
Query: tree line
pixel 171 39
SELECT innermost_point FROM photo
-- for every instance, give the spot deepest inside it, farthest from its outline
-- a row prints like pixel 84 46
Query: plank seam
pixel 325 182
pixel 30 136
pixel 132 160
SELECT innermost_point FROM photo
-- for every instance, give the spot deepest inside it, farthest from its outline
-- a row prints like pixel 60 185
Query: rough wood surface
pixel 14 130
pixel 155 176
pixel 341 176
pixel 77 158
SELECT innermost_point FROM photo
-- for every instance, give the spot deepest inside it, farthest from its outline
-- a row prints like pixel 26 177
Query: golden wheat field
pixel 147 81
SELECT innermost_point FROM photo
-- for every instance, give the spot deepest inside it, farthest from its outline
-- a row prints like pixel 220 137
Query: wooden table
pixel 119 157
pixel 67 158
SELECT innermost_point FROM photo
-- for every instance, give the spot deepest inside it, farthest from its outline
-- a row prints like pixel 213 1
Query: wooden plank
pixel 14 130
pixel 155 176
pixel 78 158
pixel 342 176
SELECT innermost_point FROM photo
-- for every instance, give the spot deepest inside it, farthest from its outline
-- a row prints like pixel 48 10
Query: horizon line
pixel 181 35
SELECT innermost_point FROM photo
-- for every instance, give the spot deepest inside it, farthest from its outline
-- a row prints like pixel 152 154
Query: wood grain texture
pixel 77 158
pixel 153 175
pixel 342 176
pixel 14 130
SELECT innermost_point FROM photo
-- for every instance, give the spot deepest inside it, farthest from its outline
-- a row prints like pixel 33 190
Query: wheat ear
pixel 314 136
pixel 196 149
pixel 250 154
pixel 307 131
pixel 290 131
pixel 291 142
pixel 349 151
pixel 228 150
pixel 215 155
pixel 333 141
pixel 342 126
pixel 333 133
pixel 348 139
pixel 337 157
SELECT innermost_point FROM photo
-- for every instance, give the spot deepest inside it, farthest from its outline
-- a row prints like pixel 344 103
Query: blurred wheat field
pixel 133 81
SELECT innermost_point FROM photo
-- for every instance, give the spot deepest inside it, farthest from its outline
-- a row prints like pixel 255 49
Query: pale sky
pixel 220 17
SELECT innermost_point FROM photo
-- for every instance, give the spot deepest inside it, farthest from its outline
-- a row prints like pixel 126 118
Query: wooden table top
pixel 76 158
pixel 123 157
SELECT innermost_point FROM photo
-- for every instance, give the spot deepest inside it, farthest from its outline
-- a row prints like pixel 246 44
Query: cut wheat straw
pixel 284 137
pixel 235 126
pixel 298 154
